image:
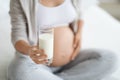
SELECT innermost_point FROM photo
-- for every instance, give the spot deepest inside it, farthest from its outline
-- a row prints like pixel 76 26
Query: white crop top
pixel 48 17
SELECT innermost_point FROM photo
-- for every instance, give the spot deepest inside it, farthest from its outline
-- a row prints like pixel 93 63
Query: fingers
pixel 40 61
pixel 75 42
pixel 76 51
pixel 76 39
pixel 38 56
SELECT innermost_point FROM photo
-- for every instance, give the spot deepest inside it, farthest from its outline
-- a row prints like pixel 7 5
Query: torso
pixel 63 40
pixel 63 45
pixel 51 3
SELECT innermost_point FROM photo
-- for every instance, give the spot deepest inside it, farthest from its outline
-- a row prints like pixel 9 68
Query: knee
pixel 110 58
pixel 107 59
pixel 106 55
pixel 101 54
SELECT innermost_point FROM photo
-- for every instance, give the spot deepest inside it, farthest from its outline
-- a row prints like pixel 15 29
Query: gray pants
pixel 90 64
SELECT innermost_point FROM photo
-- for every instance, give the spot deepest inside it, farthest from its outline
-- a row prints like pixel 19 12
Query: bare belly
pixel 63 45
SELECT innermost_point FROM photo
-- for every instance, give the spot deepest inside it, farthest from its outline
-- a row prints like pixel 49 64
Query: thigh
pixel 90 64
pixel 22 68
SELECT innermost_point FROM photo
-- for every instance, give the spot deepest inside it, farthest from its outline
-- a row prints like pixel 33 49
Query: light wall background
pixel 5 44
pixel 112 7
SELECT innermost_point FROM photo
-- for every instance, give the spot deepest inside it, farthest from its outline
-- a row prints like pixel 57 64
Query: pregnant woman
pixel 69 62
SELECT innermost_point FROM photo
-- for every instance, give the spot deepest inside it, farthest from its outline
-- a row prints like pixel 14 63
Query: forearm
pixel 22 47
pixel 80 24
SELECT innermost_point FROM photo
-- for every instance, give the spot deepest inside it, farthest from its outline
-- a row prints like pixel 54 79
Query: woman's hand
pixel 76 45
pixel 77 40
pixel 38 55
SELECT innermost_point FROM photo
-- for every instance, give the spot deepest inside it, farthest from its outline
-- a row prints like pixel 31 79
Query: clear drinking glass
pixel 46 42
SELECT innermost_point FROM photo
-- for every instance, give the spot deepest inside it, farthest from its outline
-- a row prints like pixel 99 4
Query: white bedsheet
pixel 100 31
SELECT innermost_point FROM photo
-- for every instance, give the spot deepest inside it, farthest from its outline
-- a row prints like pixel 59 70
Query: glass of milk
pixel 46 42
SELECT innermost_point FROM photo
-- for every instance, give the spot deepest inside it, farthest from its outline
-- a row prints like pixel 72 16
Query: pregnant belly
pixel 63 45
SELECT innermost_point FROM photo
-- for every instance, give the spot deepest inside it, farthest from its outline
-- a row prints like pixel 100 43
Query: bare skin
pixel 63 54
pixel 66 44
pixel 63 50
pixel 51 3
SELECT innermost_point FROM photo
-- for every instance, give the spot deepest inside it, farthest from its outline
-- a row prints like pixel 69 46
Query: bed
pixel 100 30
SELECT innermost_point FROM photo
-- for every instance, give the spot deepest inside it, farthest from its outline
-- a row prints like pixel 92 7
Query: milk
pixel 46 42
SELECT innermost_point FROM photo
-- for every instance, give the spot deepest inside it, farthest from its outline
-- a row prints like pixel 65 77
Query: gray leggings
pixel 90 64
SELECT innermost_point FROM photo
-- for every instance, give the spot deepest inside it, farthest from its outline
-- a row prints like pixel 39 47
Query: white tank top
pixel 49 17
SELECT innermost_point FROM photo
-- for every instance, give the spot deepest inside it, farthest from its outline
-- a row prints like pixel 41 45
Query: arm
pixel 78 32
pixel 82 7
pixel 77 40
pixel 22 47
pixel 19 33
